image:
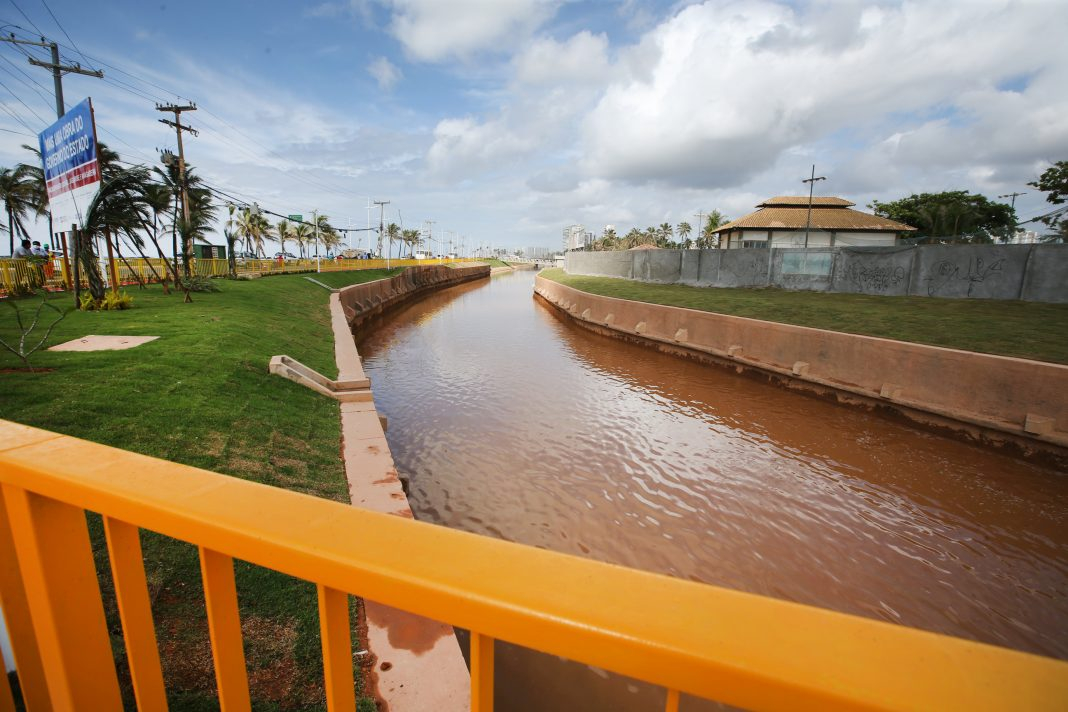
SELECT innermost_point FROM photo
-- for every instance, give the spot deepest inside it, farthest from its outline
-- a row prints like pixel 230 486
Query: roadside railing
pixel 16 275
pixel 739 648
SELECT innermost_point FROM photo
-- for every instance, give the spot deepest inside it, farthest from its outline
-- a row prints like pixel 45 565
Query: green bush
pixel 112 301
pixel 198 283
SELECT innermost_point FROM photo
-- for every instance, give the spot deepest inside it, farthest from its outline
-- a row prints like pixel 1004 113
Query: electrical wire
pixel 63 30
pixel 39 33
pixel 19 100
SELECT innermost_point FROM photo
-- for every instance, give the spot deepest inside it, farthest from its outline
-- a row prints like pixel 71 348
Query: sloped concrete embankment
pixel 418 662
pixel 994 398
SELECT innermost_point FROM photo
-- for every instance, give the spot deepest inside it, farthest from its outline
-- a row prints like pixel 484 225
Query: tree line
pixel 138 207
pixel 663 235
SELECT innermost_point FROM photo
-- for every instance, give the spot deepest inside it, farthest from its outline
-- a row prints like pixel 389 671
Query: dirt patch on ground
pixel 94 342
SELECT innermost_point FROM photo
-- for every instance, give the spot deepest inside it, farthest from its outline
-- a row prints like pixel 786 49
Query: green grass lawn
pixel 1009 328
pixel 494 262
pixel 201 395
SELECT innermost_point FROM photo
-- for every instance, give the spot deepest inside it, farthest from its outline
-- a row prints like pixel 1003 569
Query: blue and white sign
pixel 71 168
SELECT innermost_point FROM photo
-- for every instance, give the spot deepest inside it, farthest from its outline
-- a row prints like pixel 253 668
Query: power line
pixel 16 117
pixel 5 86
pixel 41 34
pixel 23 81
pixel 63 30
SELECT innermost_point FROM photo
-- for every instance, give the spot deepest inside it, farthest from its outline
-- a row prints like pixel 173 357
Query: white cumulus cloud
pixel 433 31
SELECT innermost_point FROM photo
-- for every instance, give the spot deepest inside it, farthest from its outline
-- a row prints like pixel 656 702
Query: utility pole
pixel 700 226
pixel 179 128
pixel 811 182
pixel 381 228
pixel 57 79
pixel 430 232
pixel 315 221
pixel 58 69
pixel 1014 196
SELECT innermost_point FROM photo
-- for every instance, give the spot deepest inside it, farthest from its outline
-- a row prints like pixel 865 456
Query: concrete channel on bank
pixel 419 663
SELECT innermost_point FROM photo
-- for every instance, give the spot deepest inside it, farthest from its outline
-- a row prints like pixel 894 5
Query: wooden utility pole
pixel 179 128
pixel 58 71
pixel 811 180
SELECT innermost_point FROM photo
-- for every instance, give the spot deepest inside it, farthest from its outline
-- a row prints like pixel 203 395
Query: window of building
pixel 754 243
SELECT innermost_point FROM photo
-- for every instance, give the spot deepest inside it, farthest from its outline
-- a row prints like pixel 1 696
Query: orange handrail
pixel 743 649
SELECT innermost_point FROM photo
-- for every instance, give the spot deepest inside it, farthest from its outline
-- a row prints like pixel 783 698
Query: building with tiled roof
pixel 780 222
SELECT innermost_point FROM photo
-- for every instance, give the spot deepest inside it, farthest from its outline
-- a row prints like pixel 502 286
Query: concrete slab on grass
pixel 94 342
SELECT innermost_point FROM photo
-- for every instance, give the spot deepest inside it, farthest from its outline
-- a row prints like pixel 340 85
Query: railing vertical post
pixel 56 560
pixel 481 672
pixel 672 704
pixel 19 626
pixel 337 649
pixel 135 611
pixel 224 625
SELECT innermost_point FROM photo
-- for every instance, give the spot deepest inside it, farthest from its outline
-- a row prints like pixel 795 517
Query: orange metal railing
pixel 52 275
pixel 739 648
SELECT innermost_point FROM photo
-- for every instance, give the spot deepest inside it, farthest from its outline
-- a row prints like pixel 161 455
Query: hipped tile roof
pixel 785 213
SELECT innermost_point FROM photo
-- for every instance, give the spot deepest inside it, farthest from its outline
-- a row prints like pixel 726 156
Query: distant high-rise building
pixel 576 237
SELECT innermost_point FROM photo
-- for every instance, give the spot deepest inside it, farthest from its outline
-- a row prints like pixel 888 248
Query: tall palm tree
pixel 118 208
pixel 283 231
pixel 412 238
pixel 712 222
pixel 393 233
pixel 302 235
pixel 327 235
pixel 252 227
pixel 17 194
pixel 231 240
pixel 202 213
pixel 684 230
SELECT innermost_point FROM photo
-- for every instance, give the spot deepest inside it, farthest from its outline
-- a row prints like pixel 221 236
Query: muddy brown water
pixel 512 422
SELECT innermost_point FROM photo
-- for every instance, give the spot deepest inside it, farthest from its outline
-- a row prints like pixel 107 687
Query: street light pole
pixel 811 182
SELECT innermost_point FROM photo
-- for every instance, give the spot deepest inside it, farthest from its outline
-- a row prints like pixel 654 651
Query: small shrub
pixel 199 283
pixel 112 301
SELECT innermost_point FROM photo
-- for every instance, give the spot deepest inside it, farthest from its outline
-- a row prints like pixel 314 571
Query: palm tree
pixel 17 193
pixel 684 230
pixel 118 208
pixel 283 230
pixel 412 238
pixel 328 236
pixel 302 235
pixel 252 227
pixel 712 222
pixel 393 232
pixel 231 240
pixel 159 198
pixel 202 212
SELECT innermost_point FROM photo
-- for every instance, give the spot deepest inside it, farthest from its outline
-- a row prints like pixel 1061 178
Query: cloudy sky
pixel 503 121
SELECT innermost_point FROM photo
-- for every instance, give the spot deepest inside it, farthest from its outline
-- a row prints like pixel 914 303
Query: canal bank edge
pixel 997 399
pixel 418 662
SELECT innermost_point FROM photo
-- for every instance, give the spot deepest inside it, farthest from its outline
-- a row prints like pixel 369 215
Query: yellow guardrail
pixel 739 648
pixel 16 274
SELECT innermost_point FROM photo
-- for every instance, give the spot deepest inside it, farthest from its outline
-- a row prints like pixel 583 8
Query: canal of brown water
pixel 514 423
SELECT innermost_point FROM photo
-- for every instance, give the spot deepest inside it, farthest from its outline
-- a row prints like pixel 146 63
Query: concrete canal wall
pixel 1036 273
pixel 418 663
pixel 996 398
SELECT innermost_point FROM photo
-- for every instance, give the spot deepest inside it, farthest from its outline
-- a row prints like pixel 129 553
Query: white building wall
pixel 865 239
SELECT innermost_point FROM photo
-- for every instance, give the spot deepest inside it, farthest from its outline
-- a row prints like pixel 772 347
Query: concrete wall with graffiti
pixel 1029 272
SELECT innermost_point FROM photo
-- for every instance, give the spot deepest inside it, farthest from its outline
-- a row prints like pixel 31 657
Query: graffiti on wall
pixel 947 273
pixel 874 277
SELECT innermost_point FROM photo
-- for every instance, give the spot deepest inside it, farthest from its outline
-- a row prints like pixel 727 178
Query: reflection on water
pixel 513 423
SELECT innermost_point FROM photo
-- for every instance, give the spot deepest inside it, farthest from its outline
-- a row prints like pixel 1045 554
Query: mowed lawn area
pixel 201 395
pixel 1008 328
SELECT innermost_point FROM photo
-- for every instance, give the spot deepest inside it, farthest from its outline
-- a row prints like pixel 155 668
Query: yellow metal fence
pixel 742 649
pixel 20 274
